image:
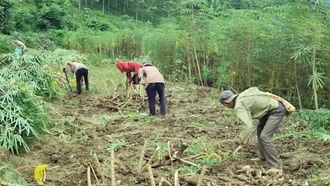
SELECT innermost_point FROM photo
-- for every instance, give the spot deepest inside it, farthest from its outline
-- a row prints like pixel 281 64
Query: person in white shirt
pixel 80 70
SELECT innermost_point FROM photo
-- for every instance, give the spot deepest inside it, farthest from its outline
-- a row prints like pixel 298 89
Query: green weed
pixel 104 119
pixel 200 148
pixel 65 137
pixel 136 116
pixel 191 170
pixel 209 159
pixel 116 146
pixel 158 143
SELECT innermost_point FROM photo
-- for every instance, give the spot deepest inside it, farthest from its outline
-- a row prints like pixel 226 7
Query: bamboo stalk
pixel 152 180
pixel 152 156
pixel 113 179
pixel 97 180
pixel 199 183
pixel 165 181
pixel 89 183
pixel 176 178
pixel 99 168
pixel 169 150
pixel 142 155
pixel 176 157
pixel 126 103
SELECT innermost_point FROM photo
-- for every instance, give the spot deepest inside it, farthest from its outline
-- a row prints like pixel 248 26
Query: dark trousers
pixel 266 128
pixel 82 72
pixel 135 79
pixel 151 89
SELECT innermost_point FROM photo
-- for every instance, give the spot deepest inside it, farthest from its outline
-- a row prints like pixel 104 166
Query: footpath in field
pixel 108 138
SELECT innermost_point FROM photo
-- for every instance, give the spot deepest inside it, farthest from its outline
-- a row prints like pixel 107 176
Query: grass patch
pixel 105 79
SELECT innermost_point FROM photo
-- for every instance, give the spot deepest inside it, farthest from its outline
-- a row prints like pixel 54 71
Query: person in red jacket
pixel 129 67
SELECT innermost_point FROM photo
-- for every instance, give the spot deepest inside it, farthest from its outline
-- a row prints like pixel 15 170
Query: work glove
pixel 64 70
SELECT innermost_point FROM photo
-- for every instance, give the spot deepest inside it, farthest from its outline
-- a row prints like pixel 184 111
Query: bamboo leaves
pixel 22 115
pixel 316 80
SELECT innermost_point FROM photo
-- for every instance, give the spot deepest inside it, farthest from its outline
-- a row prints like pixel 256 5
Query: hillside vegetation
pixel 234 44
pixel 201 47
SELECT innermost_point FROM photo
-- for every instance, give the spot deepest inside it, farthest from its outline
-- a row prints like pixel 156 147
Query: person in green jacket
pixel 254 104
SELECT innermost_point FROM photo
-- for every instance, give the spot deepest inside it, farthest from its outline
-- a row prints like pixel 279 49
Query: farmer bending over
pixel 254 104
pixel 129 67
pixel 80 70
pixel 20 48
pixel 154 83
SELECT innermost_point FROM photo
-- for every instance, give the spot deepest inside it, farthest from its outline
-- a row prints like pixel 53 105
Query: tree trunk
pixel 103 6
pixel 124 8
pixel 189 63
pixel 109 6
pixel 314 75
pixel 248 65
pixel 136 13
pixel 200 79
pixel 296 82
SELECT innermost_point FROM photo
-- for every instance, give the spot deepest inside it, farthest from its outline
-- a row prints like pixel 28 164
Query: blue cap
pixel 146 64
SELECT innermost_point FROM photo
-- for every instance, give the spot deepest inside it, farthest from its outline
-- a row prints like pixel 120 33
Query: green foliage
pixel 22 115
pixel 315 124
pixel 23 81
pixel 230 43
pixel 11 175
pixel 200 148
pixel 52 14
pixel 5 6
pixel 135 116
pixel 164 46
pixel 117 145
pixel 315 119
pixel 4 44
pixel 32 70
pixel 190 170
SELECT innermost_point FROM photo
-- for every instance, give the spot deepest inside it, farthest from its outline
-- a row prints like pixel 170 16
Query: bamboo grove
pixel 281 49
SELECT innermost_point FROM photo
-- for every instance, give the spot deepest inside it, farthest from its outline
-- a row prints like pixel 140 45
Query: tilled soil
pixel 112 137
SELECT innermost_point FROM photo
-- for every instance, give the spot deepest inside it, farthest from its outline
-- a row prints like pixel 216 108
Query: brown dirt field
pixel 85 128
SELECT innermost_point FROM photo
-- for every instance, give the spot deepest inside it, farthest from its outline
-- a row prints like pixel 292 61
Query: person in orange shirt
pixel 129 67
